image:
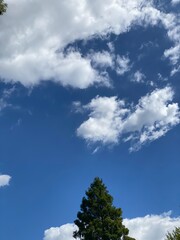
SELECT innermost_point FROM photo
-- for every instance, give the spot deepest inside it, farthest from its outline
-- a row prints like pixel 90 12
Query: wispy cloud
pixel 175 70
pixel 122 65
pixel 172 24
pixel 4 98
pixel 138 77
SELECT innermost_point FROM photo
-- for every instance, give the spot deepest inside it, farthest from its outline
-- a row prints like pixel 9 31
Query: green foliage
pixel 3 7
pixel 98 218
pixel 175 235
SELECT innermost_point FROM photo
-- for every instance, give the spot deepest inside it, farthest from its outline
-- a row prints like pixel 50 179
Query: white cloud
pixel 33 43
pixel 6 94
pixel 142 228
pixel 104 120
pixel 151 226
pixel 172 24
pixel 111 119
pixel 122 65
pixel 111 46
pixel 153 117
pixel 3 104
pixel 161 77
pixel 77 107
pixel 4 180
pixel 174 2
pixel 64 232
pixel 70 70
pixel 175 70
pixel 173 54
pixel 102 59
pixel 138 77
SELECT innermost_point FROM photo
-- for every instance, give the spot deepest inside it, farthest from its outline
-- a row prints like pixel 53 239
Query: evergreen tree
pixel 98 218
pixel 3 7
pixel 175 235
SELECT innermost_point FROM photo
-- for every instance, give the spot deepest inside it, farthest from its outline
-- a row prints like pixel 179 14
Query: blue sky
pixel 89 89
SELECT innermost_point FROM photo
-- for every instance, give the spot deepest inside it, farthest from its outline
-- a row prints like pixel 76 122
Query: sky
pixel 89 89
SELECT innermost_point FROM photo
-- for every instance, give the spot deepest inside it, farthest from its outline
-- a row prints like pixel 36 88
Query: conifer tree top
pixel 98 219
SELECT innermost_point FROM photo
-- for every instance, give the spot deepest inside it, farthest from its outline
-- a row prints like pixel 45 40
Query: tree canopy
pixel 3 7
pixel 98 219
pixel 175 235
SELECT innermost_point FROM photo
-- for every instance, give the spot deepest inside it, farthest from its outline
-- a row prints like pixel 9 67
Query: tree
pixel 3 7
pixel 98 219
pixel 175 235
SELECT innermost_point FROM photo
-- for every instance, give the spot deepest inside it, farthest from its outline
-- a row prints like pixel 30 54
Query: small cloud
pixel 138 77
pixel 122 65
pixel 175 70
pixel 77 107
pixel 148 45
pixel 111 46
pixel 5 96
pixel 173 53
pixel 3 104
pixel 64 232
pixel 17 124
pixel 96 150
pixel 174 2
pixel 171 23
pixel 7 93
pixel 4 180
pixel 102 59
pixel 151 83
pixel 161 78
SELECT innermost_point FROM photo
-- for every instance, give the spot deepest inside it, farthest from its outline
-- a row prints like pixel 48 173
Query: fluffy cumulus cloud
pixel 33 43
pixel 111 120
pixel 4 180
pixel 142 228
pixel 70 70
pixel 152 226
pixel 105 120
pixel 64 232
pixel 153 117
